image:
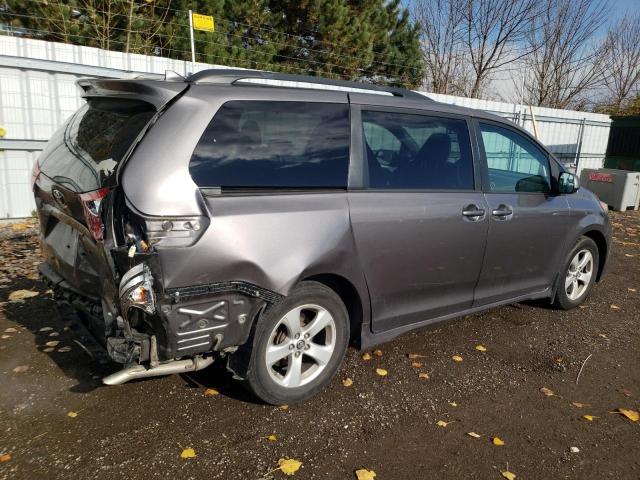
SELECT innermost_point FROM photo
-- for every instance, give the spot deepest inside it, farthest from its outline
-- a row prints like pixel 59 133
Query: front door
pixel 419 224
pixel 527 224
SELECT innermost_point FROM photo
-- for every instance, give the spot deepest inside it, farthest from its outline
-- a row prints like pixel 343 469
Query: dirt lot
pixel 386 424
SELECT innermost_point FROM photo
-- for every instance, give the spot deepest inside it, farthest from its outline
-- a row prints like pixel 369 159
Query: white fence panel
pixel 38 93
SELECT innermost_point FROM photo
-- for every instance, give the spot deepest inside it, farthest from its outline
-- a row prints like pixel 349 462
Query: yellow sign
pixel 203 22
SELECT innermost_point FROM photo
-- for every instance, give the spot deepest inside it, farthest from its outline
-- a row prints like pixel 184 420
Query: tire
pixel 306 363
pixel 574 285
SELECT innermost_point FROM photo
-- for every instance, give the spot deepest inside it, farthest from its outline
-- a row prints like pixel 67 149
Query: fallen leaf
pixel 21 369
pixel 602 335
pixel 64 349
pixel 578 404
pixel 442 423
pixel 211 392
pixel 72 414
pixel 508 475
pixel 456 358
pixel 52 343
pixel 45 329
pixel 416 364
pixel 632 290
pixel 22 294
pixel 574 450
pixel 11 330
pixel 5 458
pixel 347 382
pixel 4 337
pixel 547 392
pixel 366 356
pixel 382 372
pixel 289 466
pixel 377 353
pixel 591 418
pixel 54 334
pixel 272 438
pixel 284 407
pixel 413 356
pixel 188 453
pixel 473 434
pixel 48 349
pixel 481 348
pixel 614 307
pixel 583 306
pixel 630 414
pixel 628 255
pixel 423 375
pixel 497 441
pixel 364 474
pixel 453 404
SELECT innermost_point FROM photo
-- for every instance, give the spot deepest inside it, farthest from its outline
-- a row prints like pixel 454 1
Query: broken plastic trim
pixel 246 288
pixel 136 290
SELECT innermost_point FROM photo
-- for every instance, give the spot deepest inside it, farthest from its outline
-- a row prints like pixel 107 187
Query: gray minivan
pixel 271 220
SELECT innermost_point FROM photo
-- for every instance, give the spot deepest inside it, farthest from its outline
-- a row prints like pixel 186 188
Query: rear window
pixel 271 144
pixel 85 152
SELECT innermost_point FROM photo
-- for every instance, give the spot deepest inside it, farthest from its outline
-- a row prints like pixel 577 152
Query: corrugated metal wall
pixel 38 92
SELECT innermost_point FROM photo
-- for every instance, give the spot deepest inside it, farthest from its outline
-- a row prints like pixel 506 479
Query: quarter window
pixel 515 163
pixel 407 151
pixel 270 144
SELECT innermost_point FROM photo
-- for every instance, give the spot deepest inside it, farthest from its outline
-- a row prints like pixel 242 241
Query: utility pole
pixel 193 47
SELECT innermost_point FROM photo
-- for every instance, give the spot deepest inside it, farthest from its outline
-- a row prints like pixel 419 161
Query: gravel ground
pixel 386 424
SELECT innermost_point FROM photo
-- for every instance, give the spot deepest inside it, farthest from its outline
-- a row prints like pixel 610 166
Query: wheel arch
pixel 601 242
pixel 349 295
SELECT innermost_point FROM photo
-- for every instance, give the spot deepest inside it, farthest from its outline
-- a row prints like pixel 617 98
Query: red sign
pixel 600 177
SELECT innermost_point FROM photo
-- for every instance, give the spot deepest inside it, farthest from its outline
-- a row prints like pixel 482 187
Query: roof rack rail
pixel 230 76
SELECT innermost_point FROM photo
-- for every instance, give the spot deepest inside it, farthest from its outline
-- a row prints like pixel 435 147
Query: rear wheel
pixel 298 345
pixel 578 276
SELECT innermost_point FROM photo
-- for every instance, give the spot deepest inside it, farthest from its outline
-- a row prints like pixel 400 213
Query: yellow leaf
pixel 5 458
pixel 52 343
pixel 381 371
pixel 289 466
pixel 456 358
pixel 453 404
pixel 547 392
pixel 481 348
pixel 630 414
pixel 21 295
pixel 211 392
pixel 283 407
pixel 414 356
pixel 497 441
pixel 591 418
pixel 72 414
pixel 377 353
pixel 347 382
pixel 442 423
pixel 21 369
pixel 508 475
pixel 272 438
pixel 364 474
pixel 366 356
pixel 474 434
pixel 416 365
pixel 578 404
pixel 188 453
pixel 583 306
pixel 423 375
pixel 614 307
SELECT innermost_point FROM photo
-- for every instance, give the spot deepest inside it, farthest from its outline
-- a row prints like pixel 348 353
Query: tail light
pixel 91 208
pixel 175 232
pixel 35 174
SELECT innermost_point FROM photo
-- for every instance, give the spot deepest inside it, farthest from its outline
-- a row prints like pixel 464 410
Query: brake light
pixel 91 208
pixel 35 174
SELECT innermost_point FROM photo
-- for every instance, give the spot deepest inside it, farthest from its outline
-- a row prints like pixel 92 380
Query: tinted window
pixel 515 163
pixel 406 151
pixel 255 144
pixel 84 153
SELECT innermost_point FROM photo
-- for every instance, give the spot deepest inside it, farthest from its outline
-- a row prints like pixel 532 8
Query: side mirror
pixel 568 183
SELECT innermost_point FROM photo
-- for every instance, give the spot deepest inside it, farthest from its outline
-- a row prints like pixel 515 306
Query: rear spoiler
pixel 155 92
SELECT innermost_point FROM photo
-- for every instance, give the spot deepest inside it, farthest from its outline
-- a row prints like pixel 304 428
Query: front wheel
pixel 298 345
pixel 578 276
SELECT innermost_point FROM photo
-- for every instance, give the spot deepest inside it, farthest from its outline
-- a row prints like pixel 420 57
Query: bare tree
pixel 622 77
pixel 566 63
pixel 494 33
pixel 442 34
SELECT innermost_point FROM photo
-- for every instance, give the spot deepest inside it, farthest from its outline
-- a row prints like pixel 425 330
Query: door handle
pixel 503 212
pixel 473 212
